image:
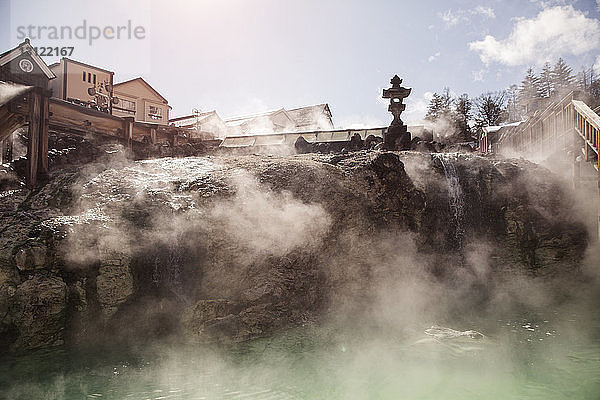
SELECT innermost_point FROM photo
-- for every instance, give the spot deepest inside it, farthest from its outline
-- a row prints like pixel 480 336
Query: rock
pixel 187 245
pixel 114 282
pixel 38 312
pixel 31 257
pixel 205 312
pixel 302 146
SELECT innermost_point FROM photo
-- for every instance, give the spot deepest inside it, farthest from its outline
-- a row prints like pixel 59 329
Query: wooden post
pixel 43 144
pixel 598 167
pixel 128 131
pixel 33 143
pixel 153 135
pixel 8 149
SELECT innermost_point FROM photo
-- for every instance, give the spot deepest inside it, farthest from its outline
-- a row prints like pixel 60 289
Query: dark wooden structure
pixel 24 101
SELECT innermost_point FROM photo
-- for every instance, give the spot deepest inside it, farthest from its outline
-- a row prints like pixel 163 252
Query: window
pixel 127 106
pixel 84 76
pixel 94 79
pixel 89 77
pixel 155 112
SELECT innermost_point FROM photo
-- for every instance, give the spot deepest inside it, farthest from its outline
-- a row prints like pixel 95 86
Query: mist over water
pixel 546 354
pixel 540 339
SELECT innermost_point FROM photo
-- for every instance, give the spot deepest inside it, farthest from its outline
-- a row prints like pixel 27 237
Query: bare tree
pixel 490 108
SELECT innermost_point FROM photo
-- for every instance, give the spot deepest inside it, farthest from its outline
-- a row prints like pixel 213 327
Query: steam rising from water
pixel 535 346
pixel 270 223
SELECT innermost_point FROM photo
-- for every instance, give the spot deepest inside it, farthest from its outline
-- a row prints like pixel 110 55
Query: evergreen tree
pixel 439 106
pixel 462 114
pixel 490 108
pixel 513 111
pixel 546 81
pixel 585 78
pixel 562 77
pixel 529 93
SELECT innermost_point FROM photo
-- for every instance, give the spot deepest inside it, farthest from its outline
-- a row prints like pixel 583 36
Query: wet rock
pixel 205 312
pixel 114 282
pixel 38 312
pixel 141 244
pixel 29 258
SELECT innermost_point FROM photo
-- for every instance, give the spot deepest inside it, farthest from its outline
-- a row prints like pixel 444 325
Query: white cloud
pixel 485 11
pixel 478 75
pixel 550 3
pixel 453 18
pixel 555 32
pixel 433 57
pixel 597 64
pixel 416 108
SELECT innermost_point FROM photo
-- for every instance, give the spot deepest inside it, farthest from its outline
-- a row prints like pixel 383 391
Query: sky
pixel 246 56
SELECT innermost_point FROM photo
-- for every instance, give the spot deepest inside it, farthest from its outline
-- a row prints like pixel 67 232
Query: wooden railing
pixel 587 126
pixel 569 126
pixel 547 131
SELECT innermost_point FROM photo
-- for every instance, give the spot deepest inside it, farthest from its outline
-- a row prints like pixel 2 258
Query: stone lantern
pixel 397 136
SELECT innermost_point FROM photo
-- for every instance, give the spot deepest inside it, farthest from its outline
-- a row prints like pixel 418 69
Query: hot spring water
pixel 538 354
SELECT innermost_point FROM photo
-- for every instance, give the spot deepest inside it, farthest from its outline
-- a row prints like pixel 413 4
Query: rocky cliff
pixel 228 248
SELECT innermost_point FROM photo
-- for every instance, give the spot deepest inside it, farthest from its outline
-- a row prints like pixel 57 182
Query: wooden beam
pixel 34 139
pixel 153 135
pixel 9 125
pixel 43 138
pixel 128 130
pixel 7 150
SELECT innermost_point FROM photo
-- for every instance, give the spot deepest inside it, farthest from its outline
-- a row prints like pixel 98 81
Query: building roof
pixel 143 82
pixel 22 48
pixel 189 120
pixel 201 115
pixel 86 65
pixel 10 91
pixel 304 116
pixel 239 120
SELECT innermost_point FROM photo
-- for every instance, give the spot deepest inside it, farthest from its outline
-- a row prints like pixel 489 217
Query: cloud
pixel 597 63
pixel 416 108
pixel 453 18
pixel 478 75
pixel 555 32
pixel 550 3
pixel 433 57
pixel 485 11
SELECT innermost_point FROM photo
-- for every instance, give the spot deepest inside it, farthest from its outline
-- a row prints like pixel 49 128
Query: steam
pixel 383 292
pixel 270 223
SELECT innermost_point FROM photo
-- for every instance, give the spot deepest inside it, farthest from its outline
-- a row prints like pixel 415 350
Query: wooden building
pixel 312 118
pixel 24 102
pixel 136 98
pixel 82 84
pixel 202 125
pixel 303 119
pixel 23 66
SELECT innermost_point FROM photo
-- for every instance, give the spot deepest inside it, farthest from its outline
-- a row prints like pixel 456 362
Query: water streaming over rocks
pixel 455 193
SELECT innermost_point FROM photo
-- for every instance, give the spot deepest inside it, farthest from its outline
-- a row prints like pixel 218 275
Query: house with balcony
pixel 136 98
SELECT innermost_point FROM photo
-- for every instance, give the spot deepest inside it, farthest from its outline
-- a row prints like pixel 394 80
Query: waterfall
pixel 455 194
pixel 167 271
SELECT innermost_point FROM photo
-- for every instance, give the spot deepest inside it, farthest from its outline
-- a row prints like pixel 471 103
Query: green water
pixel 530 355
